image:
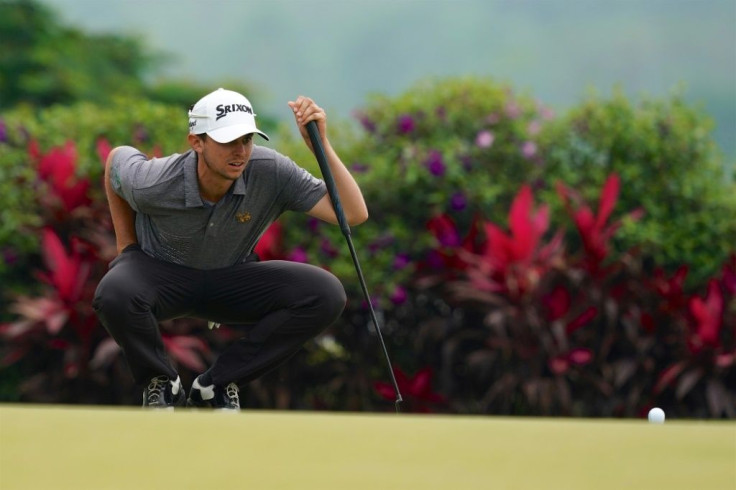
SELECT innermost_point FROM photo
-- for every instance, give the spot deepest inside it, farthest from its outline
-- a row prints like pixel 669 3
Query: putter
pixel 319 152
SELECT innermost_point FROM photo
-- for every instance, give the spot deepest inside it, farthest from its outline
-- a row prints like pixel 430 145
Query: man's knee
pixel 116 298
pixel 332 298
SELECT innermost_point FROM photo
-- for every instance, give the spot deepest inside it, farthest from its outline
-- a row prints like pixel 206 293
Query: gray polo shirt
pixel 174 224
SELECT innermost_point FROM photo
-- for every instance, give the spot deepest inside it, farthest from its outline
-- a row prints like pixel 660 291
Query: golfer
pixel 186 226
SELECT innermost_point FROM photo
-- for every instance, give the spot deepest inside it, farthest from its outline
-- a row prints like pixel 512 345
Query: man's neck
pixel 211 186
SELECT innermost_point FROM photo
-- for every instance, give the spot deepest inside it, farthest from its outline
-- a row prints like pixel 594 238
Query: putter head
pixel 398 403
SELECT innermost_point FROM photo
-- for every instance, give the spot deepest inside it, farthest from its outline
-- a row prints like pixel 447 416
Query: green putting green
pixel 53 447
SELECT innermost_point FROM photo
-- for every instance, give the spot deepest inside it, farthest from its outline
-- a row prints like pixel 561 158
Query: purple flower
pixel 140 134
pixel 327 249
pixel 441 113
pixel 435 260
pixel 10 256
pixel 313 224
pixel 546 113
pixel 381 242
pixel 365 121
pixel 3 132
pixel 513 110
pixel 359 168
pixel 458 201
pixel 466 162
pixel 398 296
pixel 493 118
pixel 534 127
pixel 406 124
pixel 374 303
pixel 484 139
pixel 529 149
pixel 401 261
pixel 443 228
pixel 298 254
pixel 435 164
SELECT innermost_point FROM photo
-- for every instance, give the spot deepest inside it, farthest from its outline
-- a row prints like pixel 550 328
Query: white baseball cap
pixel 224 115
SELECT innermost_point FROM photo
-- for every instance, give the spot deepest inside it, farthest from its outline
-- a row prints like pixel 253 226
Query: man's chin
pixel 233 173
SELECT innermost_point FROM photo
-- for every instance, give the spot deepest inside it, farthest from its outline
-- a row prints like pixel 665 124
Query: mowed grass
pixel 43 447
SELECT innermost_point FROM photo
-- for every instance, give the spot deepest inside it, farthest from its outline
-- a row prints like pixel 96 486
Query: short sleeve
pixel 123 169
pixel 298 190
pixel 305 190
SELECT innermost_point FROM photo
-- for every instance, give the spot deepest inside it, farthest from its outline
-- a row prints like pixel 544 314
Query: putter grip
pixel 319 152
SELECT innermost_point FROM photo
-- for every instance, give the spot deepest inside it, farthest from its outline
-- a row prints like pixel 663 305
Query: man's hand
pixel 305 110
pixel 356 212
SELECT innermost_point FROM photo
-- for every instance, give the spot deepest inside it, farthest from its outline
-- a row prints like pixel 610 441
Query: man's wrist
pixel 122 245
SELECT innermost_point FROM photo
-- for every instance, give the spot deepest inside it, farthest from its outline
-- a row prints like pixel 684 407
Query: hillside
pixel 341 51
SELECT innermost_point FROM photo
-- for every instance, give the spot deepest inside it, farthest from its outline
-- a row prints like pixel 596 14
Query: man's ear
pixel 195 142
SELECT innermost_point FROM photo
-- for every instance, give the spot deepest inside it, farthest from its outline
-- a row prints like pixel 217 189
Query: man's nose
pixel 239 149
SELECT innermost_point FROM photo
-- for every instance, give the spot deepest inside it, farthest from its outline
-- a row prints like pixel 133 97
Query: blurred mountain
pixel 339 51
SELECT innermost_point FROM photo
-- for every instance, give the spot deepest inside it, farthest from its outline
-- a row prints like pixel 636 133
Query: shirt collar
pixel 239 186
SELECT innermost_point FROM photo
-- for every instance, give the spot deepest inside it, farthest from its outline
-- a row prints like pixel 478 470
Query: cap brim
pixel 230 133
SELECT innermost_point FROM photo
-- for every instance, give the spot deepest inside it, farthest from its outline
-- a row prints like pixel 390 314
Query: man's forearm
pixel 351 197
pixel 123 216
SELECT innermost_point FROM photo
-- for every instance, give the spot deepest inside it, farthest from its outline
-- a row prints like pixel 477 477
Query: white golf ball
pixel 656 415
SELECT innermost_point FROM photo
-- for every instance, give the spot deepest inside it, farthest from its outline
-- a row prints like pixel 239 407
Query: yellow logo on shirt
pixel 243 217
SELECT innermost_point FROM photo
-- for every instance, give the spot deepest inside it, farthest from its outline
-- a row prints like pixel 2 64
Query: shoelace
pixel 156 389
pixel 231 391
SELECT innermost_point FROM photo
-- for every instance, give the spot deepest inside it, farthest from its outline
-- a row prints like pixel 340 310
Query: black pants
pixel 280 305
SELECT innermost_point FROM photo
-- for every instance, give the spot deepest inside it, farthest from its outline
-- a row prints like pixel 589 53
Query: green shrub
pixel 464 146
pixel 150 126
pixel 666 157
pixel 18 210
pixel 443 138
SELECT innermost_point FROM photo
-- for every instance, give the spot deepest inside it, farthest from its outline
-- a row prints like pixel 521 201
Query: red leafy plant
pixel 57 170
pixel 520 342
pixel 703 374
pixel 451 251
pixel 544 329
pixel 417 393
pixel 512 264
pixel 594 228
pixel 57 338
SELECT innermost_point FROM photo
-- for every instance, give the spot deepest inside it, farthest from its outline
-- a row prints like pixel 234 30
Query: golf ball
pixel 656 416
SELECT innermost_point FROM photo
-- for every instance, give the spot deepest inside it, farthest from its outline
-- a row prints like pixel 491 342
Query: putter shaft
pixel 319 152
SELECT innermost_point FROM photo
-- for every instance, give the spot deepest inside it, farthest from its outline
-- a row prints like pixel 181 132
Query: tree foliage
pixel 664 151
pixel 44 62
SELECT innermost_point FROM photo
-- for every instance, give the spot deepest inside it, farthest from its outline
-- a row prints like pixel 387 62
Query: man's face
pixel 224 160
